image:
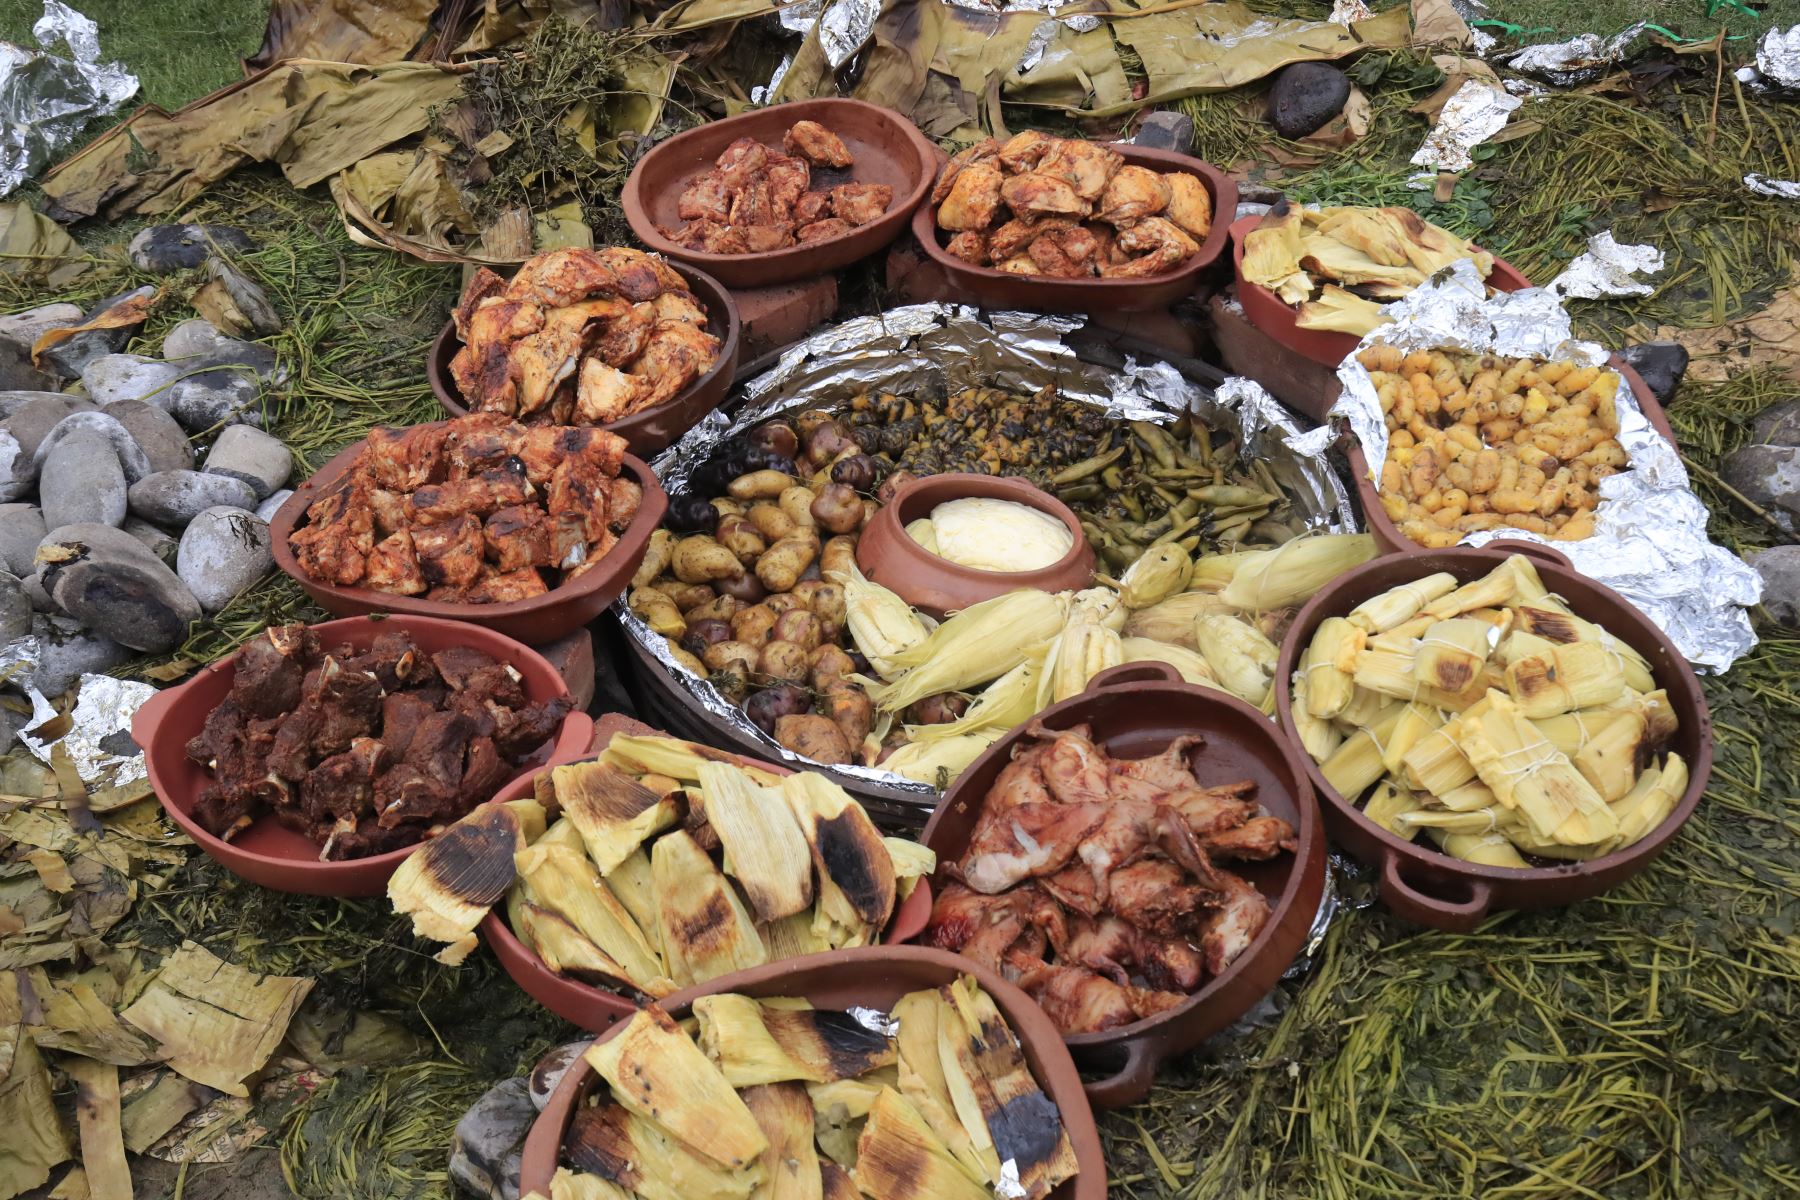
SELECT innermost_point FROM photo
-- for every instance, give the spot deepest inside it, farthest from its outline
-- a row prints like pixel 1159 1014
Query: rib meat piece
pixel 818 231
pixel 518 536
pixel 488 492
pixel 266 680
pixel 343 785
pixel 404 460
pixel 450 553
pixel 496 587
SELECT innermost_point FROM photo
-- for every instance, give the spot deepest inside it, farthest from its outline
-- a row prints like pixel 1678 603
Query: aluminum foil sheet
pixel 46 99
pixel 1778 58
pixel 1649 541
pixel 1579 60
pixel 875 1021
pixel 1607 268
pixel 1346 12
pixel 1785 189
pixel 924 347
pixel 844 25
pixel 1474 114
pixel 99 738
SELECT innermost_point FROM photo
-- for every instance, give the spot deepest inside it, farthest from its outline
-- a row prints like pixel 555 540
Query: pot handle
pixel 1421 908
pixel 1131 1082
pixel 1129 673
pixel 1535 550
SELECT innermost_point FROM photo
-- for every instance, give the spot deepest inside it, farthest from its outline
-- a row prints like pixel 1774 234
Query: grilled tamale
pixel 1478 821
pixel 1520 644
pixel 1318 737
pixel 449 884
pixel 856 888
pixel 880 623
pixel 1272 257
pixel 1364 709
pixel 637 1154
pixel 1468 797
pixel 1578 675
pixel 767 852
pixel 792 937
pixel 1385 804
pixel 839 1111
pixel 562 880
pixel 899 1158
pixel 1415 722
pixel 1549 618
pixel 1493 590
pixel 1648 804
pixel 1330 659
pixel 1240 657
pixel 657 1072
pixel 851 1099
pixel 1610 759
pixel 1338 310
pixel 1356 764
pixel 1486 849
pixel 1452 653
pixel 562 831
pixel 1388 670
pixel 613 811
pixel 790 1166
pixel 577 1185
pixel 837 1183
pixel 1402 603
pixel 1527 773
pixel 978 644
pixel 659 754
pixel 1436 764
pixel 633 887
pixel 704 929
pixel 564 949
pixel 753 1044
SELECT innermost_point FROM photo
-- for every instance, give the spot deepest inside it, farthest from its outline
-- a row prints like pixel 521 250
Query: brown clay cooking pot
pixel 654 428
pixel 1428 887
pixel 872 977
pixel 1135 711
pixel 890 557
pixel 596 1009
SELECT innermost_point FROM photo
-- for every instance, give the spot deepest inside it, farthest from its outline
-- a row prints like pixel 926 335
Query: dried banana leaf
pixel 352 31
pixel 34 1140
pixel 97 1120
pixel 157 1109
pixel 77 1021
pixel 34 247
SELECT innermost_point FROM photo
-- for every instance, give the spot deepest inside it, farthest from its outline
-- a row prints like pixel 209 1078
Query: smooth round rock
pixel 160 436
pixel 1660 365
pixel 1779 567
pixel 163 249
pixel 1305 96
pixel 21 529
pixel 15 608
pixel 40 599
pixel 1778 424
pixel 215 398
pixel 13 399
pixel 152 538
pixel 196 335
pixel 144 608
pixel 1166 129
pixel 1768 476
pixel 173 498
pixel 22 330
pixel 82 481
pixel 224 551
pixel 31 422
pixel 249 454
pixel 127 377
pixel 129 455
pixel 18 473
pixel 91 540
pixel 69 653
pixel 485 1151
pixel 268 508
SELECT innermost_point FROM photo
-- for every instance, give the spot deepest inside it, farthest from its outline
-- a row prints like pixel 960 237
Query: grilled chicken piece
pixel 679 306
pixel 1161 245
pixel 1085 166
pixel 1079 1001
pixel 543 360
pixel 705 198
pixel 1227 930
pixel 1119 950
pixel 608 394
pixel 494 587
pixel 1018 264
pixel 677 354
pixel 404 460
pixel 483 284
pixel 640 276
pixel 861 203
pixel 817 145
pixel 394 566
pixel 1077 245
pixel 562 277
pixel 1047 255
pixel 450 553
pixel 989 928
pixel 740 161
pixel 482 369
pixel 754 204
pixel 333 546
pixel 819 231
pixel 760 239
pixel 1212 811
pixel 1190 204
pixel 708 237
pixel 623 496
pixel 518 537
pixel 970 246
pixel 1133 193
pixel 579 491
pixel 1020 782
pixel 480 442
pixel 1023 151
pixel 1155 895
pixel 813 206
pixel 624 337
pixel 973 200
pixel 1016 235
pixel 439 502
pixel 1258 838
pixel 1035 194
pixel 1027 840
pixel 543 448
pixel 788 180
pixel 986 150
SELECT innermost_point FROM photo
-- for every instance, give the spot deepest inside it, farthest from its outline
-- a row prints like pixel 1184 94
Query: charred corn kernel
pixel 881 624
pixel 1579 675
pixel 1240 657
pixel 1414 723
pixel 1160 572
pixel 1356 764
pixel 1527 773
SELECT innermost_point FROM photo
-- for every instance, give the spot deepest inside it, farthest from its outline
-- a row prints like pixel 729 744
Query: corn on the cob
pixel 1648 805
pixel 978 644
pixel 614 813
pixel 575 1185
pixel 1213 572
pixel 1527 773
pixel 857 887
pixel 1416 720
pixel 1098 606
pixel 1452 653
pixel 561 880
pixel 921 1074
pixel 1293 571
pixel 1579 675
pixel 1496 588
pixel 1241 659
pixel 1172 621
pixel 1190 663
pixel 704 929
pixel 899 1158
pixel 1318 737
pixel 752 1044
pixel 940 762
pixel 1079 653
pixel 1160 572
pixel 1386 803
pixel 1008 701
pixel 1401 603
pixel 880 623
pixel 767 852
pixel 1357 763
pixel 790 1166
pixel 1486 849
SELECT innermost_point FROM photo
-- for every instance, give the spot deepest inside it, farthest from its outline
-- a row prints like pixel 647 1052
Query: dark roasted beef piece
pixel 266 681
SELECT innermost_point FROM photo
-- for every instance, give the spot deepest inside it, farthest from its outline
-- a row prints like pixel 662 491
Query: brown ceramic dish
pixel 1275 317
pixel 888 556
pixel 997 289
pixel 655 428
pixel 887 149
pixel 596 1008
pixel 1388 536
pixel 1135 711
pixel 278 858
pixel 540 619
pixel 1428 887
pixel 872 976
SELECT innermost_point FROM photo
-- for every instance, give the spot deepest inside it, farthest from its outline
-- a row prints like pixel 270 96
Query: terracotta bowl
pixel 654 429
pixel 1135 711
pixel 1419 882
pixel 887 149
pixel 891 558
pixel 541 619
pixel 278 858
pixel 871 976
pixel 1387 534
pixel 596 1009
pixel 997 289
pixel 1275 317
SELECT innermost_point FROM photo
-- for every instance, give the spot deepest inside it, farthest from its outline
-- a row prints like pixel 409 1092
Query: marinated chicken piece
pixel 624 337
pixel 623 496
pixel 817 145
pixel 970 246
pixel 1227 930
pixel 495 587
pixel 1047 255
pixel 482 369
pixel 1085 166
pixel 518 536
pixel 1076 244
pixel 450 553
pixel 483 285
pixel 1021 781
pixel 439 502
pixel 677 354
pixel 788 180
pixel 1155 895
pixel 1075 1000
pixel 705 199
pixel 754 204
pixel 578 490
pixel 708 237
pixel 542 361
pixel 1023 151
pixel 1027 840
pixel 639 276
pixel 861 203
pixel 394 566
pixel 812 206
pixel 1018 264
pixel 1034 194
pixel 479 442
pixel 987 929
pixel 1214 810
pixel 973 200
pixel 559 278
pixel 609 394
pixel 679 306
pixel 1190 204
pixel 986 150
pixel 1258 838
pixel 1160 243
pixel 818 231
pixel 1170 770
pixel 543 448
pixel 1134 193
pixel 740 161
pixel 760 239
pixel 404 460
pixel 334 545
pixel 1016 235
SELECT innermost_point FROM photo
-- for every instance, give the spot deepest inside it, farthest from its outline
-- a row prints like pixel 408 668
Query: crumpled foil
pixel 1345 12
pixel 942 346
pixel 844 25
pixel 1778 59
pixel 1579 60
pixel 875 1020
pixel 1606 268
pixel 1785 189
pixel 101 718
pixel 1009 1186
pixel 1470 117
pixel 1649 541
pixel 46 100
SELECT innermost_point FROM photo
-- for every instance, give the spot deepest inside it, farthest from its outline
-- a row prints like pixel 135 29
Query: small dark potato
pixel 746 587
pixel 940 709
pixel 810 420
pixel 756 458
pixel 859 663
pixel 702 634
pixel 692 514
pixel 799 627
pixel 890 487
pixel 776 437
pixel 827 442
pixel 785 661
pixel 838 508
pixel 829 664
pixel 771 704
pixel 857 471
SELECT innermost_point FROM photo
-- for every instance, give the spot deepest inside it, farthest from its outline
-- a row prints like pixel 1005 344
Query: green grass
pixel 179 49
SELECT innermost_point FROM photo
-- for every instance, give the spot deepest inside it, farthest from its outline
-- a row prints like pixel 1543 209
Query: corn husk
pixel 790 1166
pixel 1579 675
pixel 1008 701
pixel 856 881
pixel 921 1074
pixel 1385 805
pixel 1319 738
pixel 656 1071
pixel 792 937
pixel 1401 603
pixel 672 758
pixel 448 886
pixel 562 880
pixel 1651 799
pixel 1080 652
pixel 578 1185
pixel 1436 764
pixel 1468 797
pixel 1357 763
pixel 765 849
pixel 1330 658
pixel 899 1158
pixel 1609 760
pixel 1172 620
pixel 1098 606
pixel 880 623
pixel 617 1143
pixel 924 532
pixel 1190 663
pixel 1292 572
pixel 562 947
pixel 912 862
pixel 632 885
pixel 977 645
pixel 1415 722
pixel 940 762
pixel 1452 653
pixel 1495 589
pixel 704 929
pixel 1159 572
pixel 1340 311
pixel 1486 849
pixel 1240 658
pixel 753 1044
pixel 614 813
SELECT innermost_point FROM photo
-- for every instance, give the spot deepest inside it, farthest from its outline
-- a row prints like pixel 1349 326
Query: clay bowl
pixel 887 149
pixel 278 858
pixel 997 289
pixel 874 977
pixel 1275 317
pixel 655 428
pixel 891 558
pixel 1420 883
pixel 540 619
pixel 596 1009
pixel 1135 711
pixel 1387 534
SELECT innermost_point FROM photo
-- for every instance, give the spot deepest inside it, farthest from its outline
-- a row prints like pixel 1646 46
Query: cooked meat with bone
pixel 756 198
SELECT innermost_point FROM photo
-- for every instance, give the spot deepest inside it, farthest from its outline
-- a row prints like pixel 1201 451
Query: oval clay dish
pixel 535 621
pixel 596 1009
pixel 1421 883
pixel 888 555
pixel 887 148
pixel 996 289
pixel 873 977
pixel 269 854
pixel 656 427
pixel 1135 711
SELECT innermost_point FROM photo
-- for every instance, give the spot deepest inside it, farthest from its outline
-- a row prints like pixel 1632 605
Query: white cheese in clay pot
pixel 989 534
